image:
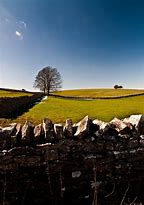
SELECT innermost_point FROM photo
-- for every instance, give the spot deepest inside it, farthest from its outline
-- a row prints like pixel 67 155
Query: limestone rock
pixel 38 132
pixel 103 127
pixel 16 136
pixel 5 136
pixel 58 128
pixel 83 127
pixel 5 142
pixel 137 121
pixel 10 129
pixel 74 128
pixel 133 119
pixel 142 141
pixel 27 133
pixel 86 127
pixel 100 123
pixel 120 126
pixel 76 174
pixel 109 132
pixel 48 130
pixel 68 129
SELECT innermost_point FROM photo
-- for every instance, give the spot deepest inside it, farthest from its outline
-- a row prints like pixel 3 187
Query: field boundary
pixel 15 91
pixel 96 98
pixel 10 107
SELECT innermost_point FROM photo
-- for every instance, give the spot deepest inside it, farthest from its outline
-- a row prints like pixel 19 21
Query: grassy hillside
pixel 59 110
pixel 94 93
pixel 13 93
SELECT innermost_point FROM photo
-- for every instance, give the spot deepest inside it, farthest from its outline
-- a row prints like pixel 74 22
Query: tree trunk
pixel 48 91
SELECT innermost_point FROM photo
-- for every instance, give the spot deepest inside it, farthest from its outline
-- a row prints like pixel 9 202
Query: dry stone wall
pixel 129 131
pixel 8 106
pixel 84 163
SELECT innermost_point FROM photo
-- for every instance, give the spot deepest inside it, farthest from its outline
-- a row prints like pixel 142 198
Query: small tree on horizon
pixel 48 80
pixel 118 86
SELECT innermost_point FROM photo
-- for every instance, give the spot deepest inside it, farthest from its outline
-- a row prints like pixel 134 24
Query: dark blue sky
pixel 95 43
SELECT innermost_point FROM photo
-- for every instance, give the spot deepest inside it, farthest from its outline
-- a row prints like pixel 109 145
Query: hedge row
pixel 10 106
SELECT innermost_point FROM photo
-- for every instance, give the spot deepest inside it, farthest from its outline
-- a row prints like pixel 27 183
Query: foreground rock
pixel 137 121
pixel 16 135
pixel 59 134
pixel 120 126
pixel 48 130
pixel 85 128
pixel 68 129
pixel 27 133
pixel 5 136
pixel 38 134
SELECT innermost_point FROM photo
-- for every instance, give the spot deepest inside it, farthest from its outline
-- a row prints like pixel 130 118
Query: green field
pixel 94 93
pixel 58 110
pixel 5 93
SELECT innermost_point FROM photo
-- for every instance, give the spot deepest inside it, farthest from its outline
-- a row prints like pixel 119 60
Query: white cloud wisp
pixel 9 25
pixel 19 35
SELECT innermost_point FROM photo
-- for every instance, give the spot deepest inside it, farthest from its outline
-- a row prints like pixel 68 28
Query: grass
pixel 5 93
pixel 58 110
pixel 94 93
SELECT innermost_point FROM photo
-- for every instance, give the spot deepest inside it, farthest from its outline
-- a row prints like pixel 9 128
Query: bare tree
pixel 48 79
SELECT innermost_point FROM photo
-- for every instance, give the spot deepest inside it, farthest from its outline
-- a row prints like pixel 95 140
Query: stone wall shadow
pixel 11 108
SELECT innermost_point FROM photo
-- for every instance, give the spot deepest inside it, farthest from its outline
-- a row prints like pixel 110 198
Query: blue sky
pixel 95 43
